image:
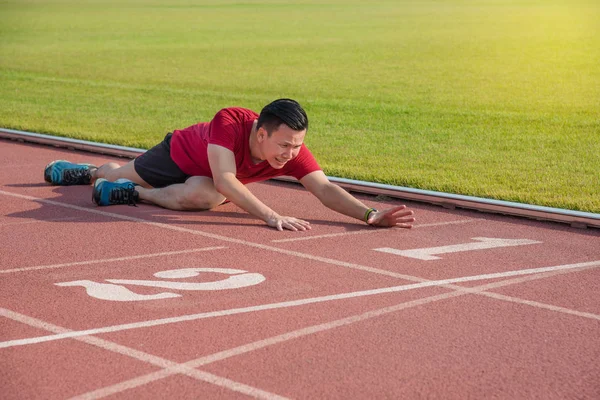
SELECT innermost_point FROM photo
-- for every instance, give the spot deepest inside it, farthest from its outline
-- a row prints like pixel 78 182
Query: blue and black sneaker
pixel 64 173
pixel 121 191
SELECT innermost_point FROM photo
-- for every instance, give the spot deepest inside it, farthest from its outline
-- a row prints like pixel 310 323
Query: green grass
pixel 495 98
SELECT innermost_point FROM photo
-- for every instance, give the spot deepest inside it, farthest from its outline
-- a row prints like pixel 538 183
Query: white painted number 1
pixel 115 291
pixel 481 243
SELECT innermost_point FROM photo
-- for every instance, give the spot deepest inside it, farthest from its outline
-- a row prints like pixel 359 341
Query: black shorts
pixel 156 167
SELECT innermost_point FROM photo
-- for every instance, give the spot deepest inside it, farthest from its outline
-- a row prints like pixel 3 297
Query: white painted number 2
pixel 115 291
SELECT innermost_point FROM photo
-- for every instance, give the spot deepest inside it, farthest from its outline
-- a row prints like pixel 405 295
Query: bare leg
pixel 197 193
pixel 113 171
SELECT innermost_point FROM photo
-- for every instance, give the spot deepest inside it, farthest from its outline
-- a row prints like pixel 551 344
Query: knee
pixel 108 171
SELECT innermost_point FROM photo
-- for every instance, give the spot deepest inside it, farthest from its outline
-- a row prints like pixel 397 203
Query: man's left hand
pixel 400 217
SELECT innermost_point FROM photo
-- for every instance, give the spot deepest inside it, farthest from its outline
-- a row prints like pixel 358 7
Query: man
pixel 202 166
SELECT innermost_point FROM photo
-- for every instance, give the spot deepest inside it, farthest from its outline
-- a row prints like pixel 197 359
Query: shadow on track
pixel 74 201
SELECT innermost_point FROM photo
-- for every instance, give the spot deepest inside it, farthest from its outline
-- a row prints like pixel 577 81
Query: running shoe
pixel 121 191
pixel 65 173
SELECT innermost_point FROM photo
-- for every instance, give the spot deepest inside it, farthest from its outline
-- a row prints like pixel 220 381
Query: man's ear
pixel 261 134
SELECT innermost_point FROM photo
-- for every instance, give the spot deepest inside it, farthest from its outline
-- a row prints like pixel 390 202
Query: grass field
pixel 495 98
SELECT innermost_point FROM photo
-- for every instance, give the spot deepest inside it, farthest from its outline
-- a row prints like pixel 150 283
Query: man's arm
pixel 222 165
pixel 337 199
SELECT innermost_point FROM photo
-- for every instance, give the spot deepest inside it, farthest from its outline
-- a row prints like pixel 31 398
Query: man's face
pixel 282 146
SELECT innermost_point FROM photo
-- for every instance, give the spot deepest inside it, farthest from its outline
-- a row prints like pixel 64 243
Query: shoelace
pixel 76 176
pixel 123 195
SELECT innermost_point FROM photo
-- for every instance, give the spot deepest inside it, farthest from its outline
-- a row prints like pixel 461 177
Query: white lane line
pixel 545 306
pixel 292 303
pixel 263 343
pixel 37 221
pixel 225 239
pixel 128 258
pixel 368 231
pixel 220 237
pixel 215 236
pixel 146 357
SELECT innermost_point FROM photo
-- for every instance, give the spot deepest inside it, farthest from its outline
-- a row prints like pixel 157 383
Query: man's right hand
pixel 293 224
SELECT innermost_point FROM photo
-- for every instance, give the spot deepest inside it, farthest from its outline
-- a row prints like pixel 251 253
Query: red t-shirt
pixel 230 128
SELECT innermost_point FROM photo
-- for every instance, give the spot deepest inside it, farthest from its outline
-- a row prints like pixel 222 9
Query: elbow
pixel 224 184
pixel 220 186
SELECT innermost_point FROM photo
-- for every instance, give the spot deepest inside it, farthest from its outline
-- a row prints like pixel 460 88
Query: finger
pixel 302 225
pixel 404 222
pixel 288 225
pixel 407 217
pixel 402 212
pixel 298 221
pixel 404 226
pixel 299 224
pixel 305 224
pixel 394 210
pixel 296 226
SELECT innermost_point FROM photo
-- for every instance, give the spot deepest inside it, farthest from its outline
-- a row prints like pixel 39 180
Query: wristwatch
pixel 368 214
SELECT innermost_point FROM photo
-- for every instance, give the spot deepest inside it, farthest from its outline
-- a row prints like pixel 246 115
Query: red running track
pixel 142 302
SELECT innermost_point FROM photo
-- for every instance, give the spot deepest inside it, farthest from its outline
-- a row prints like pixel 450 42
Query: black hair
pixel 282 111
